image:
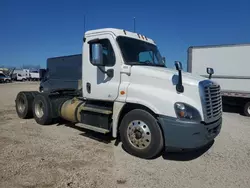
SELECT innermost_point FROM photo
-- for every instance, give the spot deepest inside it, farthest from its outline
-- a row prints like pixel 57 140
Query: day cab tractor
pixel 127 91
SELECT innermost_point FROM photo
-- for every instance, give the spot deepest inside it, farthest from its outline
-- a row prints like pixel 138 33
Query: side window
pixel 108 53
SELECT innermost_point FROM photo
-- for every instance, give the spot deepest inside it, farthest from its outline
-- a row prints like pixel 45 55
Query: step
pixel 93 128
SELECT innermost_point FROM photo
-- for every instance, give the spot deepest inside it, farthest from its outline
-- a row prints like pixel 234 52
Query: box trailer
pixel 231 64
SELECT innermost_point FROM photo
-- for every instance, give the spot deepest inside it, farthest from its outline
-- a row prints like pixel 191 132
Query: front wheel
pixel 141 135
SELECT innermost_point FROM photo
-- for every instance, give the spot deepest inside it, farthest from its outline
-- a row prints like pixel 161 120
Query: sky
pixel 32 31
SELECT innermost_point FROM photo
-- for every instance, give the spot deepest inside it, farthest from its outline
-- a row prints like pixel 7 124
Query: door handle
pixel 88 87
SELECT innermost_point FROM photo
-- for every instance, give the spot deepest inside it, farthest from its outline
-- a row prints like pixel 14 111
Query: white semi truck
pixel 127 91
pixel 231 64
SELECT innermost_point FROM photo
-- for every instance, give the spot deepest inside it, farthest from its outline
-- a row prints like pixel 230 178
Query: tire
pixel 24 104
pixel 247 109
pixel 152 143
pixel 42 110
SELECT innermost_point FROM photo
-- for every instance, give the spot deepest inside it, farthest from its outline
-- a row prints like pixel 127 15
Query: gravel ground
pixel 32 155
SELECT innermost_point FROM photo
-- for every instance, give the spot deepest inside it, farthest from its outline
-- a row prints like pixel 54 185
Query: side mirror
pixel 178 65
pixel 164 60
pixel 210 71
pixel 97 56
pixel 110 73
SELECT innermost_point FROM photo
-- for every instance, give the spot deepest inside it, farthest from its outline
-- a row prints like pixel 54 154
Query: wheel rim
pixel 139 134
pixel 21 105
pixel 39 109
pixel 248 110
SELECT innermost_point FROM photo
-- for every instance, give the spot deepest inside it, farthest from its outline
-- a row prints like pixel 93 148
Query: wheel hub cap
pixel 21 105
pixel 139 134
pixel 39 109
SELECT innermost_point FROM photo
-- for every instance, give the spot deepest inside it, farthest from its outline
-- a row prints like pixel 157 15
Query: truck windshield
pixel 137 52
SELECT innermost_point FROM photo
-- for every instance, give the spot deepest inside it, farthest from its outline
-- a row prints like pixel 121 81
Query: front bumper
pixel 188 135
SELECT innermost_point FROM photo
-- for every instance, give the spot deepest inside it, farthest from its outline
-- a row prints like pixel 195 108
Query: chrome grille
pixel 211 100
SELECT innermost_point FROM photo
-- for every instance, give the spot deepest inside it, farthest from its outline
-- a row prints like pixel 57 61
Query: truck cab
pixel 126 90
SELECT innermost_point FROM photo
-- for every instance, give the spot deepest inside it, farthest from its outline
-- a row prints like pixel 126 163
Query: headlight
pixel 186 112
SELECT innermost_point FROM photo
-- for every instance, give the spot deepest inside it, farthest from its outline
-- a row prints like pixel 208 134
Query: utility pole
pixel 134 24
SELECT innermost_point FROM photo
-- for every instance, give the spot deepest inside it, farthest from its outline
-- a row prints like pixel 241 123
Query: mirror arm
pixel 102 70
pixel 210 76
pixel 179 86
pixel 105 72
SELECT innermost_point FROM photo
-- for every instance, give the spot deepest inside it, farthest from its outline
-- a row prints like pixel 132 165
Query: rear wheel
pixel 247 109
pixel 42 110
pixel 141 135
pixel 24 104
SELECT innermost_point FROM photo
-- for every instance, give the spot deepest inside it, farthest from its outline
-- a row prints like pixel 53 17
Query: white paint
pixel 116 114
pixel 153 87
pixel 102 87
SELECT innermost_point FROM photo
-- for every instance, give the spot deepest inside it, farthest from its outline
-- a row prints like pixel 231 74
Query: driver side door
pixel 97 85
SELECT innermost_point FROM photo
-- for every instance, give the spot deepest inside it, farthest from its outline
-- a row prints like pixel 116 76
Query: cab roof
pixel 120 32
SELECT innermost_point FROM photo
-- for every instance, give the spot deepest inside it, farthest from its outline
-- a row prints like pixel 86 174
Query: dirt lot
pixel 32 155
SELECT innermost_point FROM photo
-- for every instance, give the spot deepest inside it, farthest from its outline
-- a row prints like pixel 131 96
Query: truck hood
pixel 155 88
pixel 163 73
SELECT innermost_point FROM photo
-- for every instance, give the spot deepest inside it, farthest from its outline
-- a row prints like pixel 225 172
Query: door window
pixel 107 51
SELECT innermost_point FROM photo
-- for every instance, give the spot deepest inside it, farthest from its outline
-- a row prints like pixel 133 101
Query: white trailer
pixel 231 64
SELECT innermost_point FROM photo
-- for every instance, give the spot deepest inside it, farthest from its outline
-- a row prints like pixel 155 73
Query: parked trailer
pixel 62 72
pixel 127 91
pixel 232 70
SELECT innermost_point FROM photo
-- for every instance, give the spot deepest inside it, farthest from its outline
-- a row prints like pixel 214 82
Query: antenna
pixel 134 24
pixel 84 24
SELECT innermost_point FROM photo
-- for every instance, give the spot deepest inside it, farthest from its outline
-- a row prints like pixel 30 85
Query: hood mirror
pixel 210 72
pixel 178 65
pixel 179 86
pixel 164 60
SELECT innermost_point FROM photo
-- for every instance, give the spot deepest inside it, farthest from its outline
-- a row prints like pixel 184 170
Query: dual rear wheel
pixel 34 105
